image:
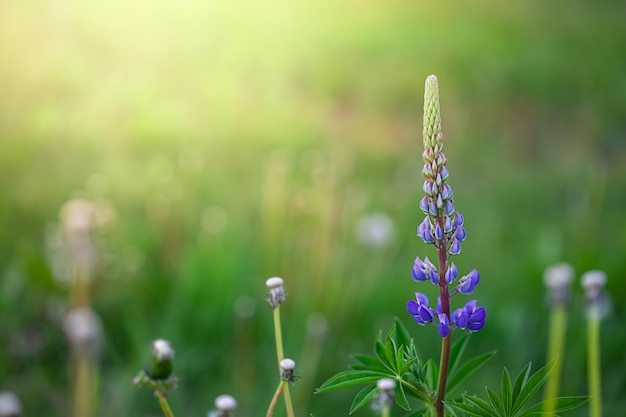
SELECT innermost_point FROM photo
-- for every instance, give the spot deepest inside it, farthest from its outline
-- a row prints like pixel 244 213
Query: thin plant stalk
pixel 593 362
pixel 385 412
pixel 445 341
pixel 556 343
pixel 164 404
pixel 279 390
pixel 280 356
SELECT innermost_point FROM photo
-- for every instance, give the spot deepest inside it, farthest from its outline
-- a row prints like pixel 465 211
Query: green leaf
pixel 475 406
pixel 467 369
pixel 363 397
pixel 560 404
pixel 402 334
pixel 534 383
pixel 496 402
pixel 401 397
pixel 431 375
pixel 405 366
pixel 506 391
pixel 349 379
pixel 369 363
pixel 381 353
pixel 457 351
pixel 520 381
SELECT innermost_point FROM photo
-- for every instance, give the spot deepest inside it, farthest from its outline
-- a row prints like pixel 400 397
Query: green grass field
pixel 227 142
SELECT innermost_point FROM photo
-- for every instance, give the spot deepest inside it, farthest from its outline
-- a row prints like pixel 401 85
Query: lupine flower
pixel 444 325
pixel 469 317
pixel 425 270
pixel 420 310
pixel 468 282
pixel 443 227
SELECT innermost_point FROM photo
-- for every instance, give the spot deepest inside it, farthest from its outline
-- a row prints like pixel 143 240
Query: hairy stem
pixel 445 309
pixel 164 405
pixel 593 362
pixel 558 321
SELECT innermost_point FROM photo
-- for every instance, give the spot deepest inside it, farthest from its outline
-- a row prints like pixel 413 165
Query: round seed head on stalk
pixel 225 404
pixel 286 370
pixel 82 329
pixel 276 294
pixel 593 283
pixel 158 374
pixel 557 279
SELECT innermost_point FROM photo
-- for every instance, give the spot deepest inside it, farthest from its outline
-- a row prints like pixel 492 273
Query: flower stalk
pixel 275 297
pixel 442 227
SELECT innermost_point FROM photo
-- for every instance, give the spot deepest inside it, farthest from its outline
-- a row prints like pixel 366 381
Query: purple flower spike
pixel 420 310
pixel 452 273
pixel 444 325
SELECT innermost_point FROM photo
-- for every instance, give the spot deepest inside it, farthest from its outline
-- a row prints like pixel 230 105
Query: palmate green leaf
pixel 431 375
pixel 465 371
pixel 380 349
pixel 400 397
pixel 363 397
pixel 506 391
pixel 560 404
pixel 349 379
pixel 532 385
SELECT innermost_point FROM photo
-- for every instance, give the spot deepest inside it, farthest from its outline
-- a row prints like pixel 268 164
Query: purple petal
pixel 447 225
pixel 438 232
pixel 470 306
pixel 449 207
pixel 428 188
pixel 431 208
pixel 434 277
pixel 444 173
pixel 439 201
pixel 455 248
pixel 424 204
pixel 460 234
pixel 478 315
pixel 452 273
pixel 474 327
pixel 458 219
pixel 465 285
pixel 426 314
pixel 444 325
pixel 461 319
pixel 412 307
pixel 421 298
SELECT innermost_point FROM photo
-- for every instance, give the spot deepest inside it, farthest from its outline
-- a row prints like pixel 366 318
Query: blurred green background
pixel 227 142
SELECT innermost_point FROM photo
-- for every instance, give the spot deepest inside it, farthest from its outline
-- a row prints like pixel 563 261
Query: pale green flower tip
pixel 225 403
pixel 386 384
pixel 10 405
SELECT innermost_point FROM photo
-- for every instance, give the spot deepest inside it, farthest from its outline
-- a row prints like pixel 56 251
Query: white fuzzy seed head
pixel 593 280
pixel 225 403
pixel 162 350
pixel 287 364
pixel 10 405
pixel 274 282
pixel 558 276
pixel 386 384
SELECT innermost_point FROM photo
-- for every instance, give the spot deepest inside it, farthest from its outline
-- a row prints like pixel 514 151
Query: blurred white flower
pixel 376 230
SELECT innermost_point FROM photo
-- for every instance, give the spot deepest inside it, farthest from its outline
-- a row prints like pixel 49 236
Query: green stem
pixel 385 410
pixel 164 405
pixel 280 355
pixel 445 309
pixel 556 341
pixel 270 409
pixel 593 362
